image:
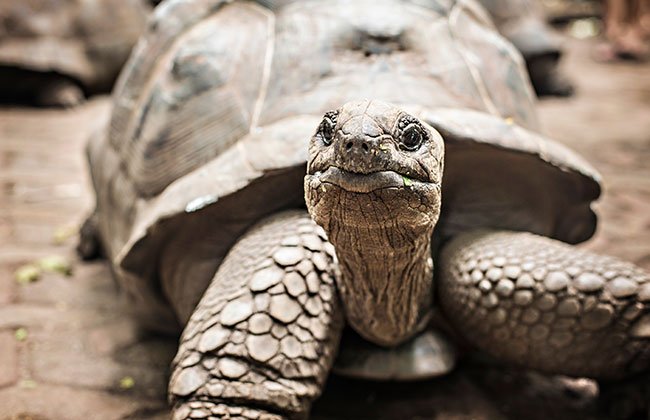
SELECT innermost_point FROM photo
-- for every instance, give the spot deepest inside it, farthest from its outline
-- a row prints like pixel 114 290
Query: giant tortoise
pixel 52 52
pixel 523 23
pixel 249 194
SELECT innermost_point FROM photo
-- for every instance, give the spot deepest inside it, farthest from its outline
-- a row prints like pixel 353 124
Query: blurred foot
pixel 60 92
pixel 607 52
pixel 545 77
pixel 632 46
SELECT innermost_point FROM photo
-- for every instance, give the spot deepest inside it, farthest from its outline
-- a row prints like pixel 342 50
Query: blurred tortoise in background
pixel 203 180
pixel 53 52
pixel 523 22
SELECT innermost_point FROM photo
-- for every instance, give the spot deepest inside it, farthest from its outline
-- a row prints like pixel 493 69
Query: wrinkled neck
pixel 386 282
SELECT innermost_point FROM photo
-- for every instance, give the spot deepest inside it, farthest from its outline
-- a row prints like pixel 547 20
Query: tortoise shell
pixel 217 103
pixel 88 41
pixel 523 23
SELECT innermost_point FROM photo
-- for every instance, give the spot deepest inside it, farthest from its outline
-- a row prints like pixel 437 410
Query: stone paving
pixel 68 349
pixel 608 122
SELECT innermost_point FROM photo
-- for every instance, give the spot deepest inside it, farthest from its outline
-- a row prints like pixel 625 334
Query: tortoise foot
pixel 60 92
pixel 546 78
pixel 206 410
pixel 89 246
pixel 553 85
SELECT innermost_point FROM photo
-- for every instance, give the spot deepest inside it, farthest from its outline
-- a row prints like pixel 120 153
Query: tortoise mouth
pixel 365 182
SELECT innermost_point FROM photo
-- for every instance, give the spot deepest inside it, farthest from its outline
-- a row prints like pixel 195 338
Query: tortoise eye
pixel 411 138
pixel 410 133
pixel 328 126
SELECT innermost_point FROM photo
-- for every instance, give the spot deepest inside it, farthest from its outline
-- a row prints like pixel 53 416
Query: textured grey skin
pixel 265 331
pixel 201 186
pixel 55 50
pixel 541 303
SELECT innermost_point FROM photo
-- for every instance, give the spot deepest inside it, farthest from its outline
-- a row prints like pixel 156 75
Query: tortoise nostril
pixel 360 146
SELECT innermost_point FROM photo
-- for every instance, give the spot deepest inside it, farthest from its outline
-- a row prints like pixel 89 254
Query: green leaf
pixel 407 181
pixel 20 334
pixel 127 382
pixel 28 383
pixel 55 264
pixel 27 274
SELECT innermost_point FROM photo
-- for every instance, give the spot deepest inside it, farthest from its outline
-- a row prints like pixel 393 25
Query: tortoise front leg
pixel 546 305
pixel 261 341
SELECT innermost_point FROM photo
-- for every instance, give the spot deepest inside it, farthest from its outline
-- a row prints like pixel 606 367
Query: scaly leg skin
pixel 262 340
pixel 89 246
pixel 61 92
pixel 546 305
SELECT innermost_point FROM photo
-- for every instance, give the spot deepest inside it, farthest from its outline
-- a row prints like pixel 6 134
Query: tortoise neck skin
pixel 387 291
pixel 373 183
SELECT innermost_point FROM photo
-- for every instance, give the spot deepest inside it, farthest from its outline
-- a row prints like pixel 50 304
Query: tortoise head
pixel 374 184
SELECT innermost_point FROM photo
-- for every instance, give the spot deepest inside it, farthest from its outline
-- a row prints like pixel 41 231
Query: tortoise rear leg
pixel 59 91
pixel 261 341
pixel 89 246
pixel 546 305
pixel 546 77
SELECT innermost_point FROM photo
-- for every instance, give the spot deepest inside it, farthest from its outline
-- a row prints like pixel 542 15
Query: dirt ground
pixel 69 351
